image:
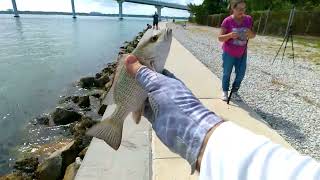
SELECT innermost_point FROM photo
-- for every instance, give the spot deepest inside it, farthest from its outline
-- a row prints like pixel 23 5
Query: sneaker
pixel 224 96
pixel 235 96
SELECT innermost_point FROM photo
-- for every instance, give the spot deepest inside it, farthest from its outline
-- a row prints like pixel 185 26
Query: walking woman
pixel 236 30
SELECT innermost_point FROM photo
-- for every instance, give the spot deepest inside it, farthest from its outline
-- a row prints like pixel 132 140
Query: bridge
pixel 158 4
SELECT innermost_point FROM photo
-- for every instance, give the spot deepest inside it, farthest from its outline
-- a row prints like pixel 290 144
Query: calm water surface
pixel 40 59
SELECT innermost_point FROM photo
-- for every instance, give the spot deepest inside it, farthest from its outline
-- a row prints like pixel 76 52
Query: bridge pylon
pixel 15 9
pixel 120 2
pixel 73 9
pixel 159 11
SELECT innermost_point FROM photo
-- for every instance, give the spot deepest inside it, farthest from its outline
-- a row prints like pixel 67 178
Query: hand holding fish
pixel 125 93
pixel 179 119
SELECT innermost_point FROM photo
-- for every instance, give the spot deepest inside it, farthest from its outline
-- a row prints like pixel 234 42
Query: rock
pixel 87 82
pixel 98 75
pixel 16 176
pixel 55 166
pixel 82 142
pixel 122 51
pixel 83 153
pixel 69 154
pixel 109 69
pixel 96 93
pixel 64 99
pixel 50 169
pixel 129 49
pixel 80 128
pixel 102 109
pixel 84 101
pixel 102 81
pixel 108 86
pixel 71 171
pixel 78 161
pixel 42 120
pixel 28 165
pixel 75 99
pixel 65 116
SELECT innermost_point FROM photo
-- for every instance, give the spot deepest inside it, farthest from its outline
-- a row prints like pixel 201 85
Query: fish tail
pixel 109 130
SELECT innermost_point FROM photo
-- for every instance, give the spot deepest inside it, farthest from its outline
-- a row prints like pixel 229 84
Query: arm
pixel 223 37
pixel 218 149
pixel 236 153
pixel 250 34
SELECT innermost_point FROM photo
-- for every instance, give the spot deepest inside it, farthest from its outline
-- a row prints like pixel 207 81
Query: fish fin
pixel 136 115
pixel 109 131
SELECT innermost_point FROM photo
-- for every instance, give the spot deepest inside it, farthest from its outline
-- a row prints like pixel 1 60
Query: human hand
pixel 178 118
pixel 234 35
pixel 250 34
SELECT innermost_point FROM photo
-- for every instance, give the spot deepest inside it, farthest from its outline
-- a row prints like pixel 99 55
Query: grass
pixel 312 43
pixel 305 47
pixel 181 22
pixel 308 41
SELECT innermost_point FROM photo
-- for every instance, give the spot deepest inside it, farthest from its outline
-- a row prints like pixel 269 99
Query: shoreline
pixel 74 114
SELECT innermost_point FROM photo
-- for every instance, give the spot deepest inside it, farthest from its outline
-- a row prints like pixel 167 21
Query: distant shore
pixel 88 14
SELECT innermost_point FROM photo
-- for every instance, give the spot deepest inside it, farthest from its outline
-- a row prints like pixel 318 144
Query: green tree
pixel 206 8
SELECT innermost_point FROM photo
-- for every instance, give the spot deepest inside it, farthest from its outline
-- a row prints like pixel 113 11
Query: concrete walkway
pixel 133 160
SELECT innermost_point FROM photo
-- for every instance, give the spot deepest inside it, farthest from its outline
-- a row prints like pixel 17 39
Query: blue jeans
pixel 240 65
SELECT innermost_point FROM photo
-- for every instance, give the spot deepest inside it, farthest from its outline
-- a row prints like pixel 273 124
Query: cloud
pixel 104 6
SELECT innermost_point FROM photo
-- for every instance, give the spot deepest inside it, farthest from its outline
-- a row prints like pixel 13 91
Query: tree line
pixel 209 7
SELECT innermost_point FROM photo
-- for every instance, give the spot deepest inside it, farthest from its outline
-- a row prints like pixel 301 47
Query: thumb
pixel 145 77
pixel 132 65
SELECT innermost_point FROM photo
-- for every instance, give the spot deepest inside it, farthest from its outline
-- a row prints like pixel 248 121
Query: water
pixel 42 56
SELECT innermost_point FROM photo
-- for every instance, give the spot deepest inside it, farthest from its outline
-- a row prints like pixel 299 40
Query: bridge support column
pixel 159 11
pixel 73 9
pixel 15 9
pixel 120 9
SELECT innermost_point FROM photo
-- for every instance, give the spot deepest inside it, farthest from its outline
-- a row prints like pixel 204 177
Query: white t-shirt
pixel 234 153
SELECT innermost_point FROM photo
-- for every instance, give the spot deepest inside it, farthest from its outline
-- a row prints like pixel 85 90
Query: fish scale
pixel 129 92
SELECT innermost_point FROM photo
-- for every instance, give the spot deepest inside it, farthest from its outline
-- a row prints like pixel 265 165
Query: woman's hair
pixel 234 3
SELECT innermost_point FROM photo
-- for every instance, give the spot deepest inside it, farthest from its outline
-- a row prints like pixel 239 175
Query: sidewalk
pixel 130 161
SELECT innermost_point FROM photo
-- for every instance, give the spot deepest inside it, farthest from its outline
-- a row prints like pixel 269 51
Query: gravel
pixel 285 94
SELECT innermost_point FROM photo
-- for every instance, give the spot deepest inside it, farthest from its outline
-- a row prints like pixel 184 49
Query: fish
pixel 125 92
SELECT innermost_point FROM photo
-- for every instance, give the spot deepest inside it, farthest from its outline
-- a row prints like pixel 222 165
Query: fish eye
pixel 154 38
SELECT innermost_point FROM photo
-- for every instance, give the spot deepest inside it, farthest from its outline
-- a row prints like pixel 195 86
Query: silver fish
pixel 152 51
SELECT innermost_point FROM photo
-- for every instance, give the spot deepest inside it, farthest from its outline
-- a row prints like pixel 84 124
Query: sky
pixel 103 6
